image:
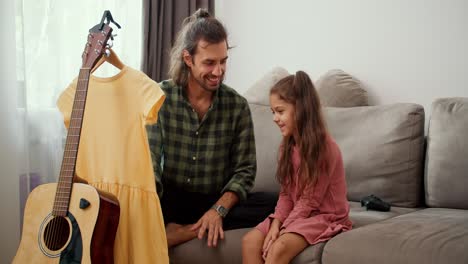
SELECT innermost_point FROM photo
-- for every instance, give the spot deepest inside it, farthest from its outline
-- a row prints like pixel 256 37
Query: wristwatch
pixel 221 210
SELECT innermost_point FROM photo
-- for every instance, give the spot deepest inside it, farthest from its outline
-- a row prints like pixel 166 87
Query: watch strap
pixel 221 210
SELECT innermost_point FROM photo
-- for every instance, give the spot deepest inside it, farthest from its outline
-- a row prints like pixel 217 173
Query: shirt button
pixel 193 110
pixel 188 180
pixel 194 158
pixel 196 133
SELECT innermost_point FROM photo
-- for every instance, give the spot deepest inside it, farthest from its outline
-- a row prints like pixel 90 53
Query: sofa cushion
pixel 382 148
pixel 229 251
pixel 267 141
pixel 196 251
pixel 446 174
pixel 259 92
pixel 310 255
pixel 361 217
pixel 337 88
pixel 432 235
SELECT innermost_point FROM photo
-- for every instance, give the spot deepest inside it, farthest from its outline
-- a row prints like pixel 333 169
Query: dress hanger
pixel 112 58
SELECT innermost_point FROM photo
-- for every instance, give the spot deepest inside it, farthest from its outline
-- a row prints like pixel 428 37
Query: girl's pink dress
pixel 320 212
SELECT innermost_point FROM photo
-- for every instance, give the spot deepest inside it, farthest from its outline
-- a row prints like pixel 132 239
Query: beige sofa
pixel 385 153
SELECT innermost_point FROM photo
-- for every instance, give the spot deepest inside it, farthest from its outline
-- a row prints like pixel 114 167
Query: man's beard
pixel 207 87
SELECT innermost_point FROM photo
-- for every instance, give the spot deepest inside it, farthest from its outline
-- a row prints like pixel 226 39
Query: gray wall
pixel 404 51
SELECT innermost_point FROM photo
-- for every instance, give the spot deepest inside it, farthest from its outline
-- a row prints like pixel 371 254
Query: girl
pixel 312 205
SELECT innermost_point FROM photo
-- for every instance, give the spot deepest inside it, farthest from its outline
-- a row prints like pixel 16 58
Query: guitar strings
pixel 59 224
pixel 54 232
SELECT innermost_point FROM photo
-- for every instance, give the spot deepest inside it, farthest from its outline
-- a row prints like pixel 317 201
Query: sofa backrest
pixel 446 173
pixel 267 141
pixel 382 148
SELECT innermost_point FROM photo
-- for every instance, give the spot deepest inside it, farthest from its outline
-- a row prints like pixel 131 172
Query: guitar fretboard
pixel 67 172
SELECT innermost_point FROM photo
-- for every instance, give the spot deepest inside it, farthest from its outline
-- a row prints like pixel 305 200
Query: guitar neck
pixel 67 172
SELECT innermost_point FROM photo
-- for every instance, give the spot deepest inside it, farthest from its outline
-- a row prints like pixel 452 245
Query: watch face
pixel 222 211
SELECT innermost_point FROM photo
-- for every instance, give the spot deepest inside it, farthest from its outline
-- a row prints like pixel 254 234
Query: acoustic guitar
pixel 68 221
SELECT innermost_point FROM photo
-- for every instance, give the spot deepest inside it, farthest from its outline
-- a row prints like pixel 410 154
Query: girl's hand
pixel 271 236
pixel 265 252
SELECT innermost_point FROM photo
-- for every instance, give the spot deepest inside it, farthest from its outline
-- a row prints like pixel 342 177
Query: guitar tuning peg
pixel 109 44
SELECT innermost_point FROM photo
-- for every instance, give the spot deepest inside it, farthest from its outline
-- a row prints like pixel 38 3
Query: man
pixel 203 144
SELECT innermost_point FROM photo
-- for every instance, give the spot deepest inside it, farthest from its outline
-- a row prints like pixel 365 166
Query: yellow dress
pixel 114 156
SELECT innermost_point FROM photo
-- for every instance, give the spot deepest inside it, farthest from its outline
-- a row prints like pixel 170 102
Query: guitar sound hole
pixel 56 233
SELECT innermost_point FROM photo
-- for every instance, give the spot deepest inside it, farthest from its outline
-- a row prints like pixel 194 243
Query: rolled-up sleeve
pixel 155 140
pixel 243 156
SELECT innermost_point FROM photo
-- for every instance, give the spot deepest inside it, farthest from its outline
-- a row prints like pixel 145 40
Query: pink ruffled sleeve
pixel 284 206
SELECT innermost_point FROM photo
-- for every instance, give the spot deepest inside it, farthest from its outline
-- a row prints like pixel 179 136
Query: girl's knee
pixel 248 238
pixel 251 239
pixel 277 249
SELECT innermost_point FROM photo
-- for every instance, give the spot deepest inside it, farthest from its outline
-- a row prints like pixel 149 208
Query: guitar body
pixel 85 235
pixel 69 222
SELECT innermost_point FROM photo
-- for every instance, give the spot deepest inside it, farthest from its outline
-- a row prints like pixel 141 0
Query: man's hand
pixel 212 222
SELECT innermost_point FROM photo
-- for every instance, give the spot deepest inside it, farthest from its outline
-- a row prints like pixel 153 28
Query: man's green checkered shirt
pixel 214 155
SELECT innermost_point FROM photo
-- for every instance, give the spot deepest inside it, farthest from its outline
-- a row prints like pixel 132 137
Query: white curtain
pixel 50 38
pixel 9 198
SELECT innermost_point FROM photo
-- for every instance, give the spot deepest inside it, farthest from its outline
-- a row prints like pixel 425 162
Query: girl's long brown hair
pixel 299 90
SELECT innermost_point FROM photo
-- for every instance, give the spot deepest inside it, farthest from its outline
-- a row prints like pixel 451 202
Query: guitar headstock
pixel 96 45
